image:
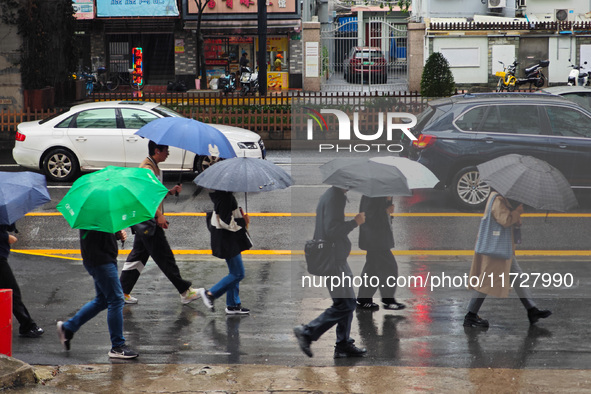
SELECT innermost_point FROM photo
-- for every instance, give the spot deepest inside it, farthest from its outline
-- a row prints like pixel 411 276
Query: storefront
pixel 138 37
pixel 230 30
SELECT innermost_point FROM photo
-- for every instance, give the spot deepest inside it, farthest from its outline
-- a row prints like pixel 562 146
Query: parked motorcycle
pixel 227 83
pixel 533 76
pixel 249 80
pixel 576 77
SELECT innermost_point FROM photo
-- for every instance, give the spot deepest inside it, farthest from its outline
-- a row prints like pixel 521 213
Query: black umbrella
pixel 530 181
pixel 367 177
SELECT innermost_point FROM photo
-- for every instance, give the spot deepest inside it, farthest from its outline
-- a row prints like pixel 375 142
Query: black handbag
pixel 320 257
pixel 147 228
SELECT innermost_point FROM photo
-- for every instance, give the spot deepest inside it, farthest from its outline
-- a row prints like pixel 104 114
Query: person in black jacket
pixel 27 326
pixel 99 256
pixel 375 236
pixel 331 226
pixel 228 239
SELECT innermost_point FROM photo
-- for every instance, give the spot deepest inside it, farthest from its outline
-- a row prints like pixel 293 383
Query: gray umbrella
pixel 244 174
pixel 530 181
pixel 366 177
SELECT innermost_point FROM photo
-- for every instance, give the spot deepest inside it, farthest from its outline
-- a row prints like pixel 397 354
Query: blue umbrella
pixel 244 174
pixel 188 134
pixel 21 192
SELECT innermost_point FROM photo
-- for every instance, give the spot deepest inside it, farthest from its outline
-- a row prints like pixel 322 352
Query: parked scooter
pixel 533 76
pixel 227 83
pixel 576 77
pixel 249 80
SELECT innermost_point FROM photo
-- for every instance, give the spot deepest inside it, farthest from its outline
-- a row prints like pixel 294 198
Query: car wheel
pixel 468 190
pixel 202 163
pixel 60 165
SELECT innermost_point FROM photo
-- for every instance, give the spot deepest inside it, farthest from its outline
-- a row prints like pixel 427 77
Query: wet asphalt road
pixel 428 333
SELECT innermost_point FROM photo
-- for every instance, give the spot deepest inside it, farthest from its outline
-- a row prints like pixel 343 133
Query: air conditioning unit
pixel 497 3
pixel 564 15
pixel 520 3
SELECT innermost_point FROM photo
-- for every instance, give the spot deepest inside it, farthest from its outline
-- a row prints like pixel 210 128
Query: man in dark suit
pixel 331 226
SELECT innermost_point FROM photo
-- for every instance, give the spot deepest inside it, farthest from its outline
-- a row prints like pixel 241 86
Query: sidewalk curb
pixel 14 373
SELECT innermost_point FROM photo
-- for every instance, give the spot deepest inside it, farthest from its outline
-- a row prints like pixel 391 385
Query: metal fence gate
pixel 385 65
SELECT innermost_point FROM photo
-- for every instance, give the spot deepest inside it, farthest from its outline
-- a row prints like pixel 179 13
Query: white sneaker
pixel 190 295
pixel 129 299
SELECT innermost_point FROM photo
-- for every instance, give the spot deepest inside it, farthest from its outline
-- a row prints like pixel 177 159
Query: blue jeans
pixel 109 295
pixel 230 283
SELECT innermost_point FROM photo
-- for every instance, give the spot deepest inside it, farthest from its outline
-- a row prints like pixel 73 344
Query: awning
pixel 246 26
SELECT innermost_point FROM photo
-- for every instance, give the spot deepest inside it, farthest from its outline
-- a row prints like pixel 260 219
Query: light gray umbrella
pixel 244 174
pixel 530 181
pixel 366 177
pixel 417 175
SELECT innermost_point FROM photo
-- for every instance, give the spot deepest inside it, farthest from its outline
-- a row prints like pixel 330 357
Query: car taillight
pixel 424 141
pixel 20 137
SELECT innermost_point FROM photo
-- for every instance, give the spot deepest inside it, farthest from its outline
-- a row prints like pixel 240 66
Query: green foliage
pixel 437 79
pixel 49 53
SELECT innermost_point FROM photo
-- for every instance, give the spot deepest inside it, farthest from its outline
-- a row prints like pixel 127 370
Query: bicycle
pixel 114 79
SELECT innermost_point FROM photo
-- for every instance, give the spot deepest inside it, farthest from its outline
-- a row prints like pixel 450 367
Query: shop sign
pixel 83 9
pixel 113 8
pixel 277 80
pixel 312 59
pixel 242 7
pixel 214 62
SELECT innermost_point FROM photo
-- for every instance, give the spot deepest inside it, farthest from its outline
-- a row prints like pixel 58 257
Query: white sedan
pixel 92 136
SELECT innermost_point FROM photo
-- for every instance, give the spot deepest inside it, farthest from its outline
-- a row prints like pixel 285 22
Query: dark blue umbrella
pixel 188 134
pixel 244 174
pixel 21 192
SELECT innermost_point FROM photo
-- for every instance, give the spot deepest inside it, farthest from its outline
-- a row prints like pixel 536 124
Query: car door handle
pixel 132 138
pixel 489 140
pixel 562 146
pixel 81 139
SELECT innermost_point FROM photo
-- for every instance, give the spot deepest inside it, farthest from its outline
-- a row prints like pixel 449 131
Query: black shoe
pixel 349 350
pixel 64 335
pixel 303 340
pixel 473 320
pixel 207 299
pixel 237 310
pixel 534 314
pixel 33 332
pixel 362 304
pixel 122 352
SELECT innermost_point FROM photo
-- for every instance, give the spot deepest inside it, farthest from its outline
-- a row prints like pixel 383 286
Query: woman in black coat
pixel 376 237
pixel 229 238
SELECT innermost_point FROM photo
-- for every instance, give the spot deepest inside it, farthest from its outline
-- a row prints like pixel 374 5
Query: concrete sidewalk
pixel 131 377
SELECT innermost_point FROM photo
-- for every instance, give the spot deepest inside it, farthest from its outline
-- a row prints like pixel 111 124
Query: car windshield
pixel 368 55
pixel 167 112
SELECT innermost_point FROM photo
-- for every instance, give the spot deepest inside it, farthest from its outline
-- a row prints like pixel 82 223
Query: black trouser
pixel 382 265
pixel 8 281
pixel 156 246
pixel 339 313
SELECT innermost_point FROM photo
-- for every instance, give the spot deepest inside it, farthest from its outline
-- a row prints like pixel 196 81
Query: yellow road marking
pixel 411 214
pixel 61 252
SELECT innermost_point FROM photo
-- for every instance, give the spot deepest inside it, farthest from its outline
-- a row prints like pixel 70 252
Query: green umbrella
pixel 112 199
